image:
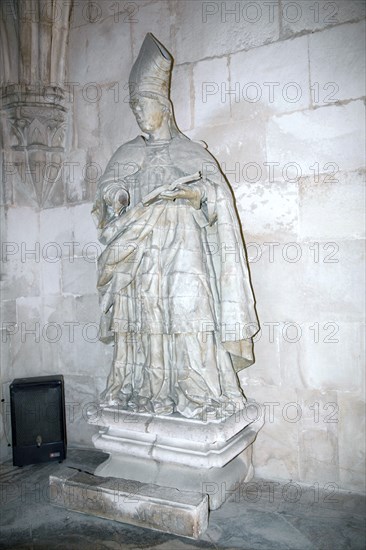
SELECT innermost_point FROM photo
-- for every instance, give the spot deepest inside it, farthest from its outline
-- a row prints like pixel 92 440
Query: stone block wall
pixel 276 90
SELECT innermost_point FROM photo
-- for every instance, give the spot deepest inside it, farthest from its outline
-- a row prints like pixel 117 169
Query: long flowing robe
pixel 174 280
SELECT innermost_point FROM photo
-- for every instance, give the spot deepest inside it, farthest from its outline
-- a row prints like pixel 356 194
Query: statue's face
pixel 149 113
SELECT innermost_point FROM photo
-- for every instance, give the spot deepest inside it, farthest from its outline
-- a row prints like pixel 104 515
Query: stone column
pixel 33 43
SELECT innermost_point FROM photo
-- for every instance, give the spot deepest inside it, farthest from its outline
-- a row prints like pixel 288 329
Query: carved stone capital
pixel 35 141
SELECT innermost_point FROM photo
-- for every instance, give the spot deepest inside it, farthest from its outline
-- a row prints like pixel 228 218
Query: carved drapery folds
pixel 33 45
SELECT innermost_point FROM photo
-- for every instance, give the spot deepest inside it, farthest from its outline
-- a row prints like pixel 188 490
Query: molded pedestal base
pixel 216 483
pixel 211 457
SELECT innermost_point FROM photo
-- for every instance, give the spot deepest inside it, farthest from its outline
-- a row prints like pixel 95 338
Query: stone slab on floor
pixel 253 518
pixel 182 513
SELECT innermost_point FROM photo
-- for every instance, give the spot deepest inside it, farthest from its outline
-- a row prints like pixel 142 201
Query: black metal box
pixel 38 421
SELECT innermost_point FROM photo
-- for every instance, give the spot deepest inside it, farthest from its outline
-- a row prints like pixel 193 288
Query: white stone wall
pixel 276 90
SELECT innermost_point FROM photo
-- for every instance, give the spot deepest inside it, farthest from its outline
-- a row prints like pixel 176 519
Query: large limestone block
pixel 75 175
pixel 352 437
pixel 156 17
pixel 327 139
pixel 51 278
pixel 276 451
pixel 267 209
pixel 79 276
pixel 267 352
pixel 308 16
pixel 56 233
pixel 25 234
pixel 210 107
pixel 325 280
pixel 116 121
pixel 333 282
pixel 332 207
pixel 331 356
pixel 181 96
pixel 277 273
pixel 222 27
pixel 80 398
pixel 337 63
pixel 91 41
pixel 318 437
pixel 86 116
pixel 86 242
pixel 58 334
pixel 5 356
pixel 239 151
pixel 266 80
pixel 145 505
pixel 21 274
pixel 26 344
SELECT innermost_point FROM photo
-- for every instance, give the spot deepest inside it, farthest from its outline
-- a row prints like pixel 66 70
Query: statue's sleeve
pixel 114 183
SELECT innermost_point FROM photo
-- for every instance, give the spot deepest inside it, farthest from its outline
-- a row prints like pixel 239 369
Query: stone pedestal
pixel 212 457
pixel 163 472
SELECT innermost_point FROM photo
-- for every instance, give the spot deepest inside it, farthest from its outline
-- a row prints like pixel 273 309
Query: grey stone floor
pixel 261 515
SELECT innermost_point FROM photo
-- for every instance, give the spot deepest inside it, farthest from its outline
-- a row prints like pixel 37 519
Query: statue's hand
pixel 120 201
pixel 184 191
pixel 121 198
pixel 117 199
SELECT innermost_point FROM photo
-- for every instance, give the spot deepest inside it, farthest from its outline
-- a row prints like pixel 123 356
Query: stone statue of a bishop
pixel 173 277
